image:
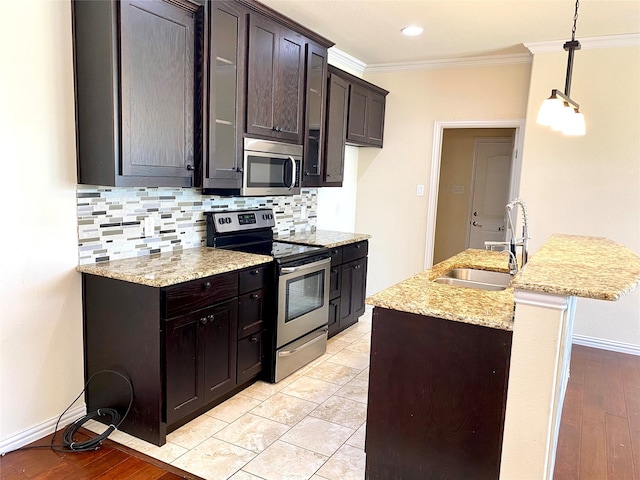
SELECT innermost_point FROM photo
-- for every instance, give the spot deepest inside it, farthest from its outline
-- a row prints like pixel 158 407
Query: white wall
pixel 589 185
pixel 337 205
pixel 41 363
pixel 387 205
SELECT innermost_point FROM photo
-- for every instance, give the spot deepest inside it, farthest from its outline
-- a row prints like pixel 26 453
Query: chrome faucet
pixel 514 242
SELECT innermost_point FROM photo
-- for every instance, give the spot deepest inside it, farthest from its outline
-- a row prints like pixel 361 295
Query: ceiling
pixel 369 30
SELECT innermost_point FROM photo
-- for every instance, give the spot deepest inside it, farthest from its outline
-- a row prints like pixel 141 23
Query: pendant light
pixel 558 111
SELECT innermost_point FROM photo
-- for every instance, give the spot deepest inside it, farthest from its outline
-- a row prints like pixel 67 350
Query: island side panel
pixel 122 333
pixel 437 396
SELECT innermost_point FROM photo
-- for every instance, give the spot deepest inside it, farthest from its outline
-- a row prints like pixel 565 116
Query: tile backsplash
pixel 111 220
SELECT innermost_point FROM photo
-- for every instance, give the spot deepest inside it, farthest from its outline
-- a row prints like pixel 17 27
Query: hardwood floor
pixel 111 462
pixel 600 428
pixel 599 434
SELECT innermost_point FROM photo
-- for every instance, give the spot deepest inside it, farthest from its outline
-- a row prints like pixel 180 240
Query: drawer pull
pixel 254 339
pixel 255 296
pixel 206 285
pixel 203 321
pixel 255 272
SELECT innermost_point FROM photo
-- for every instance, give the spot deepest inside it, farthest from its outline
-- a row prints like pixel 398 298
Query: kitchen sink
pixel 474 278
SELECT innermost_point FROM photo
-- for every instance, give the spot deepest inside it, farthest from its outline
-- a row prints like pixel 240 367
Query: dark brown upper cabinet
pixel 222 165
pixel 365 121
pixel 138 82
pixel 355 116
pixel 275 81
pixel 337 105
pixel 315 114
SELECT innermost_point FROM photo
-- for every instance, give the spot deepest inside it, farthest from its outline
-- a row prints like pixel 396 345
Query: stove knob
pixel 228 219
pixel 220 220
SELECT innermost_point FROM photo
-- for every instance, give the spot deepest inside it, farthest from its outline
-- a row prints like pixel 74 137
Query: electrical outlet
pixel 148 227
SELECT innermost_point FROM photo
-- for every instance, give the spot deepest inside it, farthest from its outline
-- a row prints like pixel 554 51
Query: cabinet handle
pixel 211 318
pixel 255 272
pixel 356 267
pixel 334 252
pixel 254 339
pixel 334 270
pixel 203 321
pixel 254 296
pixel 190 167
pixel 206 285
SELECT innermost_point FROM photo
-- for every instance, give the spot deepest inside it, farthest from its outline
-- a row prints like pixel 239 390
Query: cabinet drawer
pixel 250 313
pixel 250 356
pixel 336 256
pixel 254 278
pixel 197 294
pixel 354 251
pixel 335 276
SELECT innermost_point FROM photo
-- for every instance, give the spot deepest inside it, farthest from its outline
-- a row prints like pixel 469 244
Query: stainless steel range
pixel 300 332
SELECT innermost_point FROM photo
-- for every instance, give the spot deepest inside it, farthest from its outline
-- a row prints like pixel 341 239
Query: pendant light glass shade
pixel 550 109
pixel 575 125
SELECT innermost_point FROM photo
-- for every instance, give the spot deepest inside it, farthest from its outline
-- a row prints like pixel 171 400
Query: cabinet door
pixel 219 340
pixel 354 275
pixel 316 98
pixel 357 121
pixel 334 316
pixel 157 47
pixel 222 165
pixel 275 81
pixel 184 373
pixel 336 131
pixel 375 119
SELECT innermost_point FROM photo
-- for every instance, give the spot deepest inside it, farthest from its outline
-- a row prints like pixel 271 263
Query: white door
pixel 491 182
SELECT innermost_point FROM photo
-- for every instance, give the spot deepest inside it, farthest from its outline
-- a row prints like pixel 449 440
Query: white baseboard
pixel 611 345
pixel 43 429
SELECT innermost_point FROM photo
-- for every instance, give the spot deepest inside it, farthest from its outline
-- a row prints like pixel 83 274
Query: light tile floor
pixel 311 425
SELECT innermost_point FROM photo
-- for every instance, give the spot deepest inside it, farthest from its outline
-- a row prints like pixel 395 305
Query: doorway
pixel 475 172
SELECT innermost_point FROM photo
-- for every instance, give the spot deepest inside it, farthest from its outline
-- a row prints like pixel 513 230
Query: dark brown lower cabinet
pixel 437 398
pixel 347 285
pixel 185 348
pixel 200 358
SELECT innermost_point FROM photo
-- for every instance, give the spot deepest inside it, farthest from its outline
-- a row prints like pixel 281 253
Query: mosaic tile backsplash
pixel 111 220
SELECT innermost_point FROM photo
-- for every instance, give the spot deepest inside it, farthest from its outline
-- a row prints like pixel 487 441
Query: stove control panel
pixel 241 220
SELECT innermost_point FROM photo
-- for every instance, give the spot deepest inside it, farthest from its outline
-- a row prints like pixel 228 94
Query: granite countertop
pixel 164 269
pixel 421 295
pixel 589 267
pixel 323 238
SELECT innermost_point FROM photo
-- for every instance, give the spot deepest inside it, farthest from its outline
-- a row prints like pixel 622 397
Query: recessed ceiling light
pixel 412 31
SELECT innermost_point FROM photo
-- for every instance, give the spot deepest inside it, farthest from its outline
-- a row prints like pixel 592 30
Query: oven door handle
pixel 306 266
pixel 288 353
pixel 293 172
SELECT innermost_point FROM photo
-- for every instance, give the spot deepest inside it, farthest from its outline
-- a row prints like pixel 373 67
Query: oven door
pixel 303 299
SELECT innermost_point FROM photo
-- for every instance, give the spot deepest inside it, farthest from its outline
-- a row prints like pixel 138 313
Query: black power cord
pixel 68 444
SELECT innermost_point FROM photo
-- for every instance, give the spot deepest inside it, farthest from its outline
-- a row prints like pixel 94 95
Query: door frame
pixel 436 155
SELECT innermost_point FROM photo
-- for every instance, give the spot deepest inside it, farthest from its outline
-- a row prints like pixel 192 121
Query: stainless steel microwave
pixel 270 168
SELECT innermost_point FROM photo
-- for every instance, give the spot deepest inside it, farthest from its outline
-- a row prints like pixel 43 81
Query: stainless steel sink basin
pixel 474 278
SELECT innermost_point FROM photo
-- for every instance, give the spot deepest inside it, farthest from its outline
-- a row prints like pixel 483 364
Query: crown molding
pixel 489 60
pixel 587 43
pixel 344 61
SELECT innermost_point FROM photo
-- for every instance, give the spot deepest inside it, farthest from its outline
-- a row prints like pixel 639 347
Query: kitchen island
pixel 466 383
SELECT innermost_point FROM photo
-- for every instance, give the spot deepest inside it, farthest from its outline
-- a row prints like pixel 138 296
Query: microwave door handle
pixel 293 172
